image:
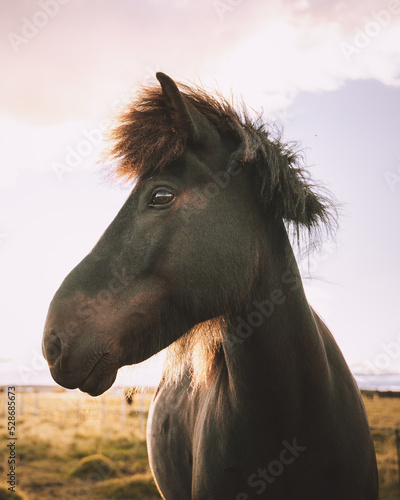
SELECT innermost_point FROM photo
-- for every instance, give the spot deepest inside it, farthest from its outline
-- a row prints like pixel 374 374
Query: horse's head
pixel 181 251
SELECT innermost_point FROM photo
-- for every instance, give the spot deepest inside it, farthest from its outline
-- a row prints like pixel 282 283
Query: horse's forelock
pixel 144 141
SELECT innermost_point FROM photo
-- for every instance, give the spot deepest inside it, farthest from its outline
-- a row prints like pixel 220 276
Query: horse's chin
pixel 95 385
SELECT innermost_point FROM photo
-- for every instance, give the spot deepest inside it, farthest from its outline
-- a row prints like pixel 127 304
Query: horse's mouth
pixel 100 378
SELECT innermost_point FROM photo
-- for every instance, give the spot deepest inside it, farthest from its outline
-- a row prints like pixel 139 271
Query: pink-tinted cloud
pixel 79 57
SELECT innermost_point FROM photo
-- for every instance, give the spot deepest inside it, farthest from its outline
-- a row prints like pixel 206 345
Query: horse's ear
pixel 186 118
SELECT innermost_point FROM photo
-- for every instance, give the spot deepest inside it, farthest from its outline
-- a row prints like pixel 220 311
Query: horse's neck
pixel 277 346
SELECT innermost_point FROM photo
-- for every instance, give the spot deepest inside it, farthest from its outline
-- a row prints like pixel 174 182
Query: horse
pixel 256 400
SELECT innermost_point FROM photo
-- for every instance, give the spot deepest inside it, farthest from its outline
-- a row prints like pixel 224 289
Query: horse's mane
pixel 144 141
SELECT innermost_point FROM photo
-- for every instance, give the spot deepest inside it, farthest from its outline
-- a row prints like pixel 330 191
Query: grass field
pixel 384 418
pixel 57 431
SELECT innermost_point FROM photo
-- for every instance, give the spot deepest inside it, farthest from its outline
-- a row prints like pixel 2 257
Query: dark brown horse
pixel 257 400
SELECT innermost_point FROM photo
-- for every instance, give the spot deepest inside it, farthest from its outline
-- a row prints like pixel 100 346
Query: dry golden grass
pixel 384 418
pixel 57 430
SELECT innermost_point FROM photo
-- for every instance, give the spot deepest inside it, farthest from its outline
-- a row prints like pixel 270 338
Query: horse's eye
pixel 161 197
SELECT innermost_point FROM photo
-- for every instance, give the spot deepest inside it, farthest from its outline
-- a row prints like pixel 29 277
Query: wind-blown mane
pixel 144 141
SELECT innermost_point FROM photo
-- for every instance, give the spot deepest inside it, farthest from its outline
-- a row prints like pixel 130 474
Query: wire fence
pixel 119 412
pixel 114 410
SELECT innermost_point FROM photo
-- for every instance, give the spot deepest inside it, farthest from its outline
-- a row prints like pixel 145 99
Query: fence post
pixel 123 412
pixel 21 403
pixel 141 413
pixel 397 432
pixel 36 402
pixel 103 414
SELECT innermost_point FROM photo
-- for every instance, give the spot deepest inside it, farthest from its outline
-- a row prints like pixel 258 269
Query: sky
pixel 327 72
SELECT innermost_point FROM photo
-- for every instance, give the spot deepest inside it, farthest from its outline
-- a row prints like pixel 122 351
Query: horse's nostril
pixel 52 347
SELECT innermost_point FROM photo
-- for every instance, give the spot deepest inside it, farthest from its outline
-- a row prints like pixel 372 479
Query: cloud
pixel 86 55
pixel 307 48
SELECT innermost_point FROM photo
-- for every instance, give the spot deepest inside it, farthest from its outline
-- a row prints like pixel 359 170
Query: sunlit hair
pixel 196 353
